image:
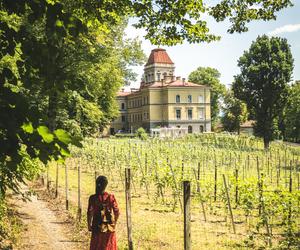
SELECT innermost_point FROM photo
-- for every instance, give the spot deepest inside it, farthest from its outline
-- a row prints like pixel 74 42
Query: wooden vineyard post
pixel 182 169
pixel 290 190
pixel 56 181
pixel 198 177
pixel 79 211
pixel 199 191
pixel 216 179
pixel 187 214
pixel 128 208
pixel 236 187
pixel 248 160
pixel 48 182
pixel 229 205
pixel 66 186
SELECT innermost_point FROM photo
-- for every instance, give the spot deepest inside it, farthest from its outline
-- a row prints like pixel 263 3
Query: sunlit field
pixel 263 190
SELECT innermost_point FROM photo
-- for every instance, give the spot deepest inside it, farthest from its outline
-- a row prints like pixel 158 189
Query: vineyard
pixel 241 195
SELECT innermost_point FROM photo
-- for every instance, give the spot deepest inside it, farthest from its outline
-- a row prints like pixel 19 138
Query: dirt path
pixel 43 228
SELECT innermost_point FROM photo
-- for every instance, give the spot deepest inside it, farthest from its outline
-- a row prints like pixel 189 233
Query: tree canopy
pixel 266 69
pixel 292 114
pixel 210 77
pixel 234 113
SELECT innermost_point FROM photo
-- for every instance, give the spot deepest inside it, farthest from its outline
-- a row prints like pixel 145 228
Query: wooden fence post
pixel 187 214
pixel 67 186
pixel 79 211
pixel 229 205
pixel 48 181
pixel 236 187
pixel 128 207
pixel 216 180
pixel 56 181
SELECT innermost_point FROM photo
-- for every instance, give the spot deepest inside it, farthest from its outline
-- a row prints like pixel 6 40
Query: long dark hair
pixel 101 183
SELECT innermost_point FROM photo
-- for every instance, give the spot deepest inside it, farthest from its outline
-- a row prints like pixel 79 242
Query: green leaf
pixel 45 134
pixel 27 127
pixel 59 23
pixel 64 152
pixel 63 136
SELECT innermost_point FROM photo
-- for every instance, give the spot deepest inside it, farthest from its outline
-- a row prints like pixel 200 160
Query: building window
pixel 190 114
pixel 201 114
pixel 123 118
pixel 189 98
pixel 200 99
pixel 190 129
pixel 201 128
pixel 123 106
pixel 178 114
pixel 177 98
pixel 158 76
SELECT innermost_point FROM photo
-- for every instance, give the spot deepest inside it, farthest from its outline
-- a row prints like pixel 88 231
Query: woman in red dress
pixel 102 216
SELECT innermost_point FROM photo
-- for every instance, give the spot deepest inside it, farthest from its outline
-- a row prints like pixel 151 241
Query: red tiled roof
pixel 159 56
pixel 177 83
pixel 123 93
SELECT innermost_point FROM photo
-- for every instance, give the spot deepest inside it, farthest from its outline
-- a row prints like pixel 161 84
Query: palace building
pixel 163 100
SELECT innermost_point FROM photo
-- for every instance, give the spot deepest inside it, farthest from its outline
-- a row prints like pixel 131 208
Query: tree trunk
pixel 266 143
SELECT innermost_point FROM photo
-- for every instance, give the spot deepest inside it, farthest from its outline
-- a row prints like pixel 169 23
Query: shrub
pixel 141 133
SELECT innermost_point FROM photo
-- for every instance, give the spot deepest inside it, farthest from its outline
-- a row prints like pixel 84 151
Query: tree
pixel 266 70
pixel 35 60
pixel 210 76
pixel 235 113
pixel 292 114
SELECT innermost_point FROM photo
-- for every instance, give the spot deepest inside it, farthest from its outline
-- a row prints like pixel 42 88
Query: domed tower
pixel 158 67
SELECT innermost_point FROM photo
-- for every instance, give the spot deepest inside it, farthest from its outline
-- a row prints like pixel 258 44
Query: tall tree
pixel 234 113
pixel 292 114
pixel 211 77
pixel 266 70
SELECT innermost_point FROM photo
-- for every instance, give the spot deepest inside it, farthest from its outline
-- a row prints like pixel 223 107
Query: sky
pixel 224 54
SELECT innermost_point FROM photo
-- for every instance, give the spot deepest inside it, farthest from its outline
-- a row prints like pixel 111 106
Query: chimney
pixel 178 78
pixel 122 89
pixel 162 82
pixel 183 81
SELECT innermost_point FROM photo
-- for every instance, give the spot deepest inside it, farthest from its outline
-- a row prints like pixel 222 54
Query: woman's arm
pixel 90 214
pixel 115 208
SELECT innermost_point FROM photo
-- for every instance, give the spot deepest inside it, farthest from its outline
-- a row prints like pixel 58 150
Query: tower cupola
pixel 158 66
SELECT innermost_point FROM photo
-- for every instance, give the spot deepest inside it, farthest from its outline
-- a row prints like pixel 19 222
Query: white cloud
pixel 285 29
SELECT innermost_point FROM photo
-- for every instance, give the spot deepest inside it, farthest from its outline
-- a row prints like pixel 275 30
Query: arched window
pixel 189 98
pixel 190 129
pixel 158 76
pixel 177 98
pixel 201 128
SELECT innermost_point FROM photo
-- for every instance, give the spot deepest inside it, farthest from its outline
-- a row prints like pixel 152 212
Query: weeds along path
pixel 43 229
